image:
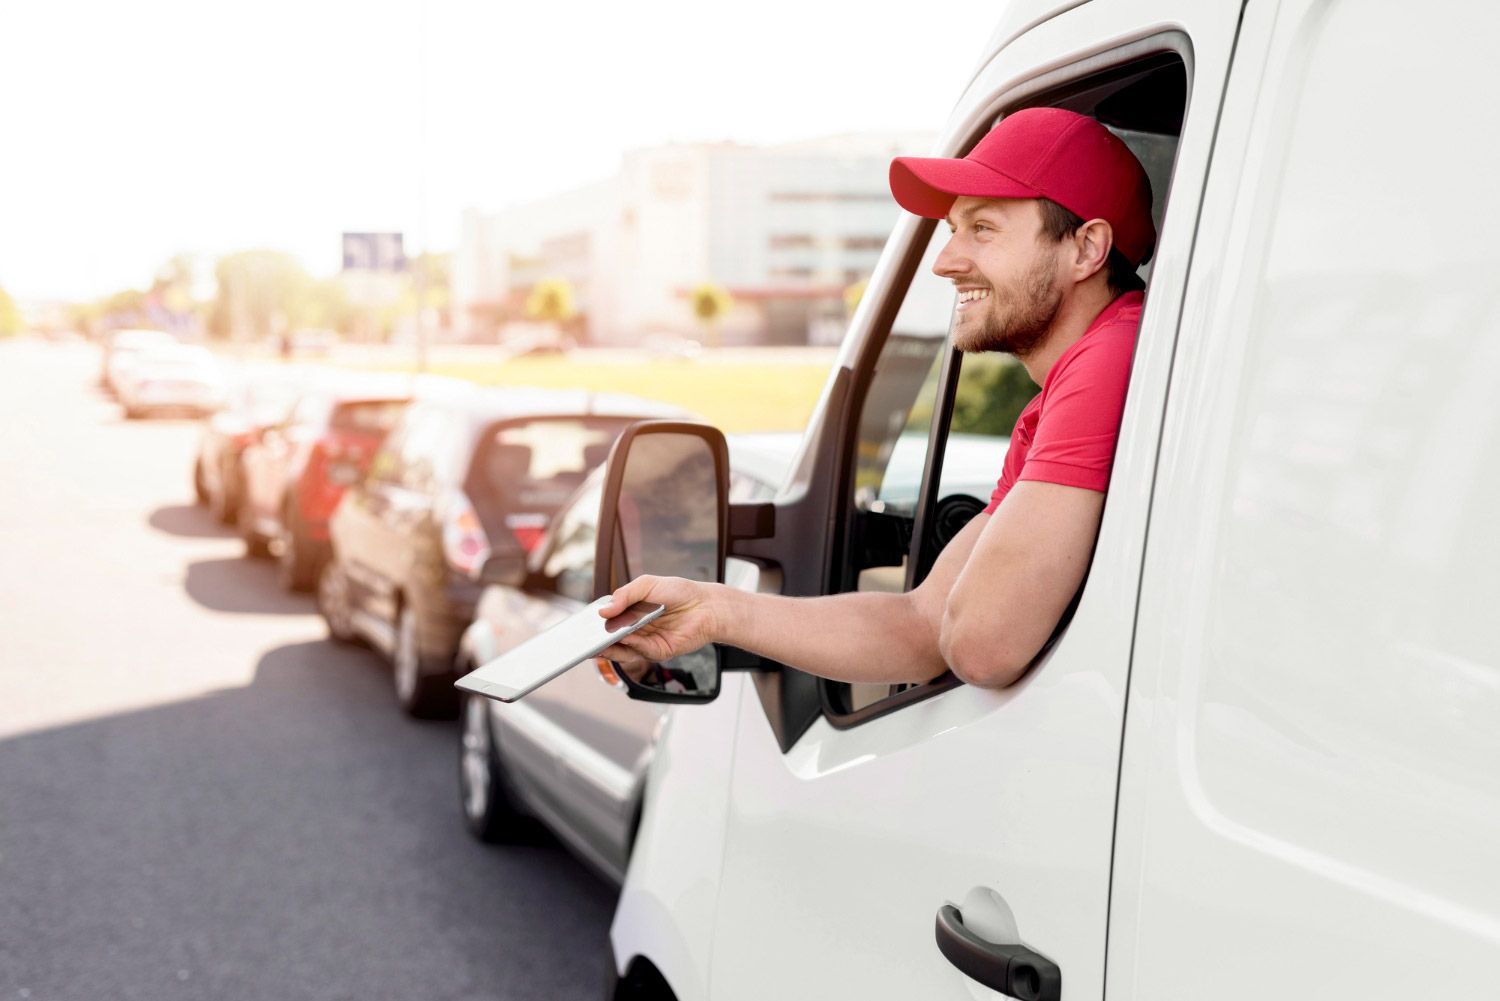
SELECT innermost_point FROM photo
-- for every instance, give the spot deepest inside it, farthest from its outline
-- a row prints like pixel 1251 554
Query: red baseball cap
pixel 1040 153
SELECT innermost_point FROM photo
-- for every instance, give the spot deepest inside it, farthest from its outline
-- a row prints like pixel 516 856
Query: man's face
pixel 1006 272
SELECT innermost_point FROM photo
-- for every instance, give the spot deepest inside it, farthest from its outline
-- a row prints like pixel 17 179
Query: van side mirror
pixel 665 511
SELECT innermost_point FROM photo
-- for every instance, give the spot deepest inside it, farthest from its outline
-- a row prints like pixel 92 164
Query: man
pixel 1050 217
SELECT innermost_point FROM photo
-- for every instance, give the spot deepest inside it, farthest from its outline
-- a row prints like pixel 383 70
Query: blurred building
pixel 785 230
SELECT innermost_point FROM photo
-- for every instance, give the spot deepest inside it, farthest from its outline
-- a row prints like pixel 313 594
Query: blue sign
pixel 374 252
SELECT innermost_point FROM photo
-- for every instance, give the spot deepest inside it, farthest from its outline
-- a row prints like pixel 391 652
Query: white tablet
pixel 531 665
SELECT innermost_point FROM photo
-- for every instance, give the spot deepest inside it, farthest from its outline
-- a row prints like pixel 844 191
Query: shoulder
pixel 1109 345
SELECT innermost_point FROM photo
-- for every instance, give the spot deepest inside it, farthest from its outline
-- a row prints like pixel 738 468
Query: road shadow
pixel 298 838
pixel 188 521
pixel 248 586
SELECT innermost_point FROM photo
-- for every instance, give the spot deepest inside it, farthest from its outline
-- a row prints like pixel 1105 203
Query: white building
pixel 785 230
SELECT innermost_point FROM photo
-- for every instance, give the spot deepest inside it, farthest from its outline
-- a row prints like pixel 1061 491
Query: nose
pixel 950 263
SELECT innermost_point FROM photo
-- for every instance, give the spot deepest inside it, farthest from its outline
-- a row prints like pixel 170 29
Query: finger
pixel 624 656
pixel 626 596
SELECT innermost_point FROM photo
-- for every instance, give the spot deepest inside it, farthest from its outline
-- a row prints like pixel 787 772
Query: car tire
pixel 489 809
pixel 296 561
pixel 200 487
pixel 257 546
pixel 421 694
pixel 335 605
pixel 225 504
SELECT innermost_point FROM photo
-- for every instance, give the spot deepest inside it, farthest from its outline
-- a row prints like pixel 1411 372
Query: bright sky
pixel 133 131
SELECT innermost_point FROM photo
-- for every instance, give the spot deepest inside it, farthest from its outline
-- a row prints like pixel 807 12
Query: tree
pixel 427 278
pixel 261 293
pixel 710 304
pixel 10 316
pixel 551 301
pixel 992 391
pixel 853 294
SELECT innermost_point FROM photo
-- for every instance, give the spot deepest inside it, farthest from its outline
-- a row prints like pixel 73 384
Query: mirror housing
pixel 665 511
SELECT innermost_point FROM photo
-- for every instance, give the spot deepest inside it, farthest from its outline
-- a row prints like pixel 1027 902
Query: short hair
pixel 1120 274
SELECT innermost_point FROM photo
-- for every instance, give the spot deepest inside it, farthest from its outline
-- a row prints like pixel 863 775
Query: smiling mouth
pixel 968 297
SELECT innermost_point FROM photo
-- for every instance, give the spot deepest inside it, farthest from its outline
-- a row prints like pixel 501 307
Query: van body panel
pixel 1310 802
pixel 840 852
pixel 670 898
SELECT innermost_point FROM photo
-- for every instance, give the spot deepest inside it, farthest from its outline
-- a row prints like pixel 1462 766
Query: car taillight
pixel 527 528
pixel 465 545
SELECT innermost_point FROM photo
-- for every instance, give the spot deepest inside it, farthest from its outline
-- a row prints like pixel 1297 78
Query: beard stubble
pixel 1024 326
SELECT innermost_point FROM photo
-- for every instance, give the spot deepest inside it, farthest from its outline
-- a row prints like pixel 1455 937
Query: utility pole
pixel 421 258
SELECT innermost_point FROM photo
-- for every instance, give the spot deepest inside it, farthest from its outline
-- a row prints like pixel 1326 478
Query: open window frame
pixel 1143 86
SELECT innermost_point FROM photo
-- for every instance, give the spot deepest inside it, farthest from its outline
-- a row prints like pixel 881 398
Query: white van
pixel 1261 758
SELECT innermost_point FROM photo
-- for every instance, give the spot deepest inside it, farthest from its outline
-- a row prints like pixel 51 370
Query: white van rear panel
pixel 1311 780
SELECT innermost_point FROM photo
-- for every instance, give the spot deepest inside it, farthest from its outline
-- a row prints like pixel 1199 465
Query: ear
pixel 1091 245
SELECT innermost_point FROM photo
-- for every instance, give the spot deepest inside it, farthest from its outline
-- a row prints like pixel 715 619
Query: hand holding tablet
pixel 582 635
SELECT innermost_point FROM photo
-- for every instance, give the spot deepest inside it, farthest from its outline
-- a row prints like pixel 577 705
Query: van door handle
pixel 1010 969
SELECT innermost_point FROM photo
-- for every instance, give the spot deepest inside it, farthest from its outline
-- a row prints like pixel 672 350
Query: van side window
pixel 974 399
pixel 891 450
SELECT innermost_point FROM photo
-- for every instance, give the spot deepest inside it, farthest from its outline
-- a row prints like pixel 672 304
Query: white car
pixel 1258 759
pixel 119 349
pixel 178 379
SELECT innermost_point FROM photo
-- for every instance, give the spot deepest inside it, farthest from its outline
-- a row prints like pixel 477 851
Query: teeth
pixel 973 294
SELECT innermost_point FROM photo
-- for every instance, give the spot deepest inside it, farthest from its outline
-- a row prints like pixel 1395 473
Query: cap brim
pixel 928 186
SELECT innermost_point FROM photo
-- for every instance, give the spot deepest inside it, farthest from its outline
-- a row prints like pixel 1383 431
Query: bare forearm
pixel 860 637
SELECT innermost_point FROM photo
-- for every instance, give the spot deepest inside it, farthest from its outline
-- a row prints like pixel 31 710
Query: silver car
pixel 572 754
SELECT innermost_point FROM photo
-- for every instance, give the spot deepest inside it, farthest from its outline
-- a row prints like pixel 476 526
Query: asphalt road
pixel 201 798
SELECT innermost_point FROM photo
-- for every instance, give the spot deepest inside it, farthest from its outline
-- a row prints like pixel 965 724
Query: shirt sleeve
pixel 1074 442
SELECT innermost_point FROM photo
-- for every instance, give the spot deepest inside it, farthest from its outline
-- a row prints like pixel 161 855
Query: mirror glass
pixel 668 524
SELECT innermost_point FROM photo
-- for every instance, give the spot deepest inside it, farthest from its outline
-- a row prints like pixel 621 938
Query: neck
pixel 1074 314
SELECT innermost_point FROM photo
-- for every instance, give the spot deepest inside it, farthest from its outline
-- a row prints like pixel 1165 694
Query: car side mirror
pixel 507 569
pixel 665 511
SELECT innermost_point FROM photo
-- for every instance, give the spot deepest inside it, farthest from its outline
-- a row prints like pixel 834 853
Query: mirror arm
pixel 751 521
pixel 732 658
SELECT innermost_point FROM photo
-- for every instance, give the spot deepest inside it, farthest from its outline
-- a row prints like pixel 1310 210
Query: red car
pixel 260 399
pixel 296 473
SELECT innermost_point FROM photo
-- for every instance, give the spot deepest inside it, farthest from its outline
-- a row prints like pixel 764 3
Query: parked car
pixel 460 479
pixel 118 346
pixel 172 379
pixel 298 469
pixel 1258 756
pixel 574 753
pixel 259 399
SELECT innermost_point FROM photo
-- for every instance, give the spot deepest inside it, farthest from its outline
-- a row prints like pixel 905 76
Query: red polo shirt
pixel 1067 432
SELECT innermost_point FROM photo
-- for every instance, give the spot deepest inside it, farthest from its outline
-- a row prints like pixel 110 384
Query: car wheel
pixel 421 694
pixel 225 503
pixel 200 488
pixel 335 605
pixel 296 561
pixel 256 545
pixel 490 813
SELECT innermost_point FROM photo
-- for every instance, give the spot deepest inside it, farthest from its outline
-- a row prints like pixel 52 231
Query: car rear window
pixel 367 416
pixel 535 466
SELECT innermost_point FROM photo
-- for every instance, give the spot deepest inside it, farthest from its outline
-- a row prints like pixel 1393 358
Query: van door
pixel 842 849
pixel 1310 797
